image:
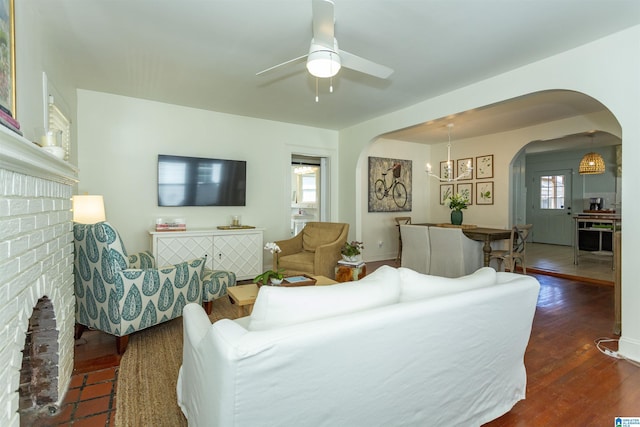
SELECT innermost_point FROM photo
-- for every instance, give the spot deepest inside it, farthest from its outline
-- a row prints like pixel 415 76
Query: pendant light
pixel 592 163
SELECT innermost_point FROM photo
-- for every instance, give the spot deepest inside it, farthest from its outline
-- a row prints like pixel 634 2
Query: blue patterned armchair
pixel 119 293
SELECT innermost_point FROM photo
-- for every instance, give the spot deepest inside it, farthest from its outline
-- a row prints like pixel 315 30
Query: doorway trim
pixel 328 173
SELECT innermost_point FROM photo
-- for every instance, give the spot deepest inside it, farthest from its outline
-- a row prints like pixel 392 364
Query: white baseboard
pixel 629 348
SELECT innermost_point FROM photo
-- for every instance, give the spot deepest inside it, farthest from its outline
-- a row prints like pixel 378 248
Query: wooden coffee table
pixel 244 296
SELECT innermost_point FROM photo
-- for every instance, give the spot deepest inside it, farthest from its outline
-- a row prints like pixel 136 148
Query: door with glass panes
pixel 551 207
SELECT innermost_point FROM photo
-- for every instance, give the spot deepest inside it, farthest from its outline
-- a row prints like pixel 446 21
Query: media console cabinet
pixel 238 250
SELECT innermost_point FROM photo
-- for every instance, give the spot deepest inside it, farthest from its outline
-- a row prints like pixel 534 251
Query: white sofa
pixel 396 348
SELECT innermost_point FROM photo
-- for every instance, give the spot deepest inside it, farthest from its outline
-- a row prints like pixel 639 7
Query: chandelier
pixel 303 170
pixel 448 171
pixel 592 163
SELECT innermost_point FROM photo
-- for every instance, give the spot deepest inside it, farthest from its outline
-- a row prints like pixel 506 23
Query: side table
pixel 350 272
pixel 243 296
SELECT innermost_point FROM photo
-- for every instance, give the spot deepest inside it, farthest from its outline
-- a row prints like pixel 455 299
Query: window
pixel 308 188
pixel 552 192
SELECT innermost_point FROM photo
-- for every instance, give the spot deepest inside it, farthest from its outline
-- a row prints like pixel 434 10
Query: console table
pixel 238 250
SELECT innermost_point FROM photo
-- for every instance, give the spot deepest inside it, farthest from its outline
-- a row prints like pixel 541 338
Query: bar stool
pixel 401 220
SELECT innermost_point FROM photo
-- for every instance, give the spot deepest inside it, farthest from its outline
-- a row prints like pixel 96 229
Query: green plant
pixel 265 277
pixel 351 248
pixel 270 274
pixel 456 202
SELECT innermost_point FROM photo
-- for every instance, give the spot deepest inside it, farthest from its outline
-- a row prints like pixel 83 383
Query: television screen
pixel 195 181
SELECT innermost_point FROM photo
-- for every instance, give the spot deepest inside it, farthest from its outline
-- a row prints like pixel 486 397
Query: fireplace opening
pixel 39 373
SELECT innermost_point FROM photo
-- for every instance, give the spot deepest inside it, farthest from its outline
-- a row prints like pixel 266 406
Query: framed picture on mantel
pixel 7 58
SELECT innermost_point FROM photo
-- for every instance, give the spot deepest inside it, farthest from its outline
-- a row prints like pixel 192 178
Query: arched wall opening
pixel 502 130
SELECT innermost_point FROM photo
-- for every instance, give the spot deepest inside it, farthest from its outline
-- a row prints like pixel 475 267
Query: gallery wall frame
pixel 7 57
pixel 463 165
pixel 446 172
pixel 446 191
pixel 390 188
pixel 466 191
pixel 484 193
pixel 484 166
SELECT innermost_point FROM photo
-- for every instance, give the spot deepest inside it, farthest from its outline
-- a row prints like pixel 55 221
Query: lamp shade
pixel 88 209
pixel 323 63
pixel 591 164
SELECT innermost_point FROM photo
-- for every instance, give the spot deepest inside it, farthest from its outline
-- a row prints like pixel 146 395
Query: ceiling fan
pixel 325 59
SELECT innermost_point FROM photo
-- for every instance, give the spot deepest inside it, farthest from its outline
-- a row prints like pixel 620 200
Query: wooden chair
pixel 517 249
pixel 401 220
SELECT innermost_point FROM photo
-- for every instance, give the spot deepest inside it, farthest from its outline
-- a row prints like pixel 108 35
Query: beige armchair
pixel 315 250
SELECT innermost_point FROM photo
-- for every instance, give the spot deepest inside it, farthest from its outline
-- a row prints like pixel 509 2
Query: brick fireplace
pixel 36 276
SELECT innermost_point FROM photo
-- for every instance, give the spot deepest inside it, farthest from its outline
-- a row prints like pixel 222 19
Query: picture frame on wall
pixel 466 191
pixel 446 191
pixel 8 58
pixel 390 185
pixel 484 166
pixel 445 172
pixel 464 165
pixel 484 193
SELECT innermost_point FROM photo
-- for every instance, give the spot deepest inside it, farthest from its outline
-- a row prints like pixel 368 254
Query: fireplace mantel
pixel 22 156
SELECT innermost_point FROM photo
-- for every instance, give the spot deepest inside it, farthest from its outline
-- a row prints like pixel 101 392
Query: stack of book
pixel 7 120
pixel 172 225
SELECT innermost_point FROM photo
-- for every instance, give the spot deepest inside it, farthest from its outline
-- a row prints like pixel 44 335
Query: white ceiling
pixel 205 54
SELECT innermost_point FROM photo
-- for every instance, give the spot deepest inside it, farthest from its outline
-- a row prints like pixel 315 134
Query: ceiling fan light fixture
pixel 323 63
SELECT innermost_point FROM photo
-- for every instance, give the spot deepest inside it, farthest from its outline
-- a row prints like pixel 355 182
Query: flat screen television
pixel 196 181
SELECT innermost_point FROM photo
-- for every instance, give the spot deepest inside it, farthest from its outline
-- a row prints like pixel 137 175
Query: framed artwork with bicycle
pixel 389 185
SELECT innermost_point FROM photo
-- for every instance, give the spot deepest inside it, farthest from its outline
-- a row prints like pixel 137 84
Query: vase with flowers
pixel 456 203
pixel 351 250
pixel 271 276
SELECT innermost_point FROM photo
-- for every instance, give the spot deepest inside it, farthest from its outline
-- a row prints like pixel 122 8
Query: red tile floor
pixel 90 401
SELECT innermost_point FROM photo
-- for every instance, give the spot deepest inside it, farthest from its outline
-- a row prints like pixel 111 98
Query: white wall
pixel 606 70
pixel 121 137
pixel 33 57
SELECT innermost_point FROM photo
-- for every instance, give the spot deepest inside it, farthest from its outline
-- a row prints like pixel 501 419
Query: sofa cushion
pixel 320 233
pixel 416 286
pixel 279 306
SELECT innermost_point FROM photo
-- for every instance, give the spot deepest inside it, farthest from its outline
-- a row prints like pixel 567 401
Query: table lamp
pixel 88 209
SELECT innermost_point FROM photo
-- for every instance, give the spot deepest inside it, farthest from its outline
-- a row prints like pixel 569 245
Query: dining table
pixel 480 234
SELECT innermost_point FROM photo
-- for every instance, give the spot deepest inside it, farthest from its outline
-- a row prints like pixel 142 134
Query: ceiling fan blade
pixel 323 22
pixel 280 65
pixel 356 63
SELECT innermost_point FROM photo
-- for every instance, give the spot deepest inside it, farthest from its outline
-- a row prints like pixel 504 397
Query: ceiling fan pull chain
pixel 317 90
pixel 331 85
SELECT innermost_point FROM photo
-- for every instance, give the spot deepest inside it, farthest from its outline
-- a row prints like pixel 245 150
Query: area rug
pixel 148 373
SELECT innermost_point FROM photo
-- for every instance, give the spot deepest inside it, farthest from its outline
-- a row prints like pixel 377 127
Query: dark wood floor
pixel 570 382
